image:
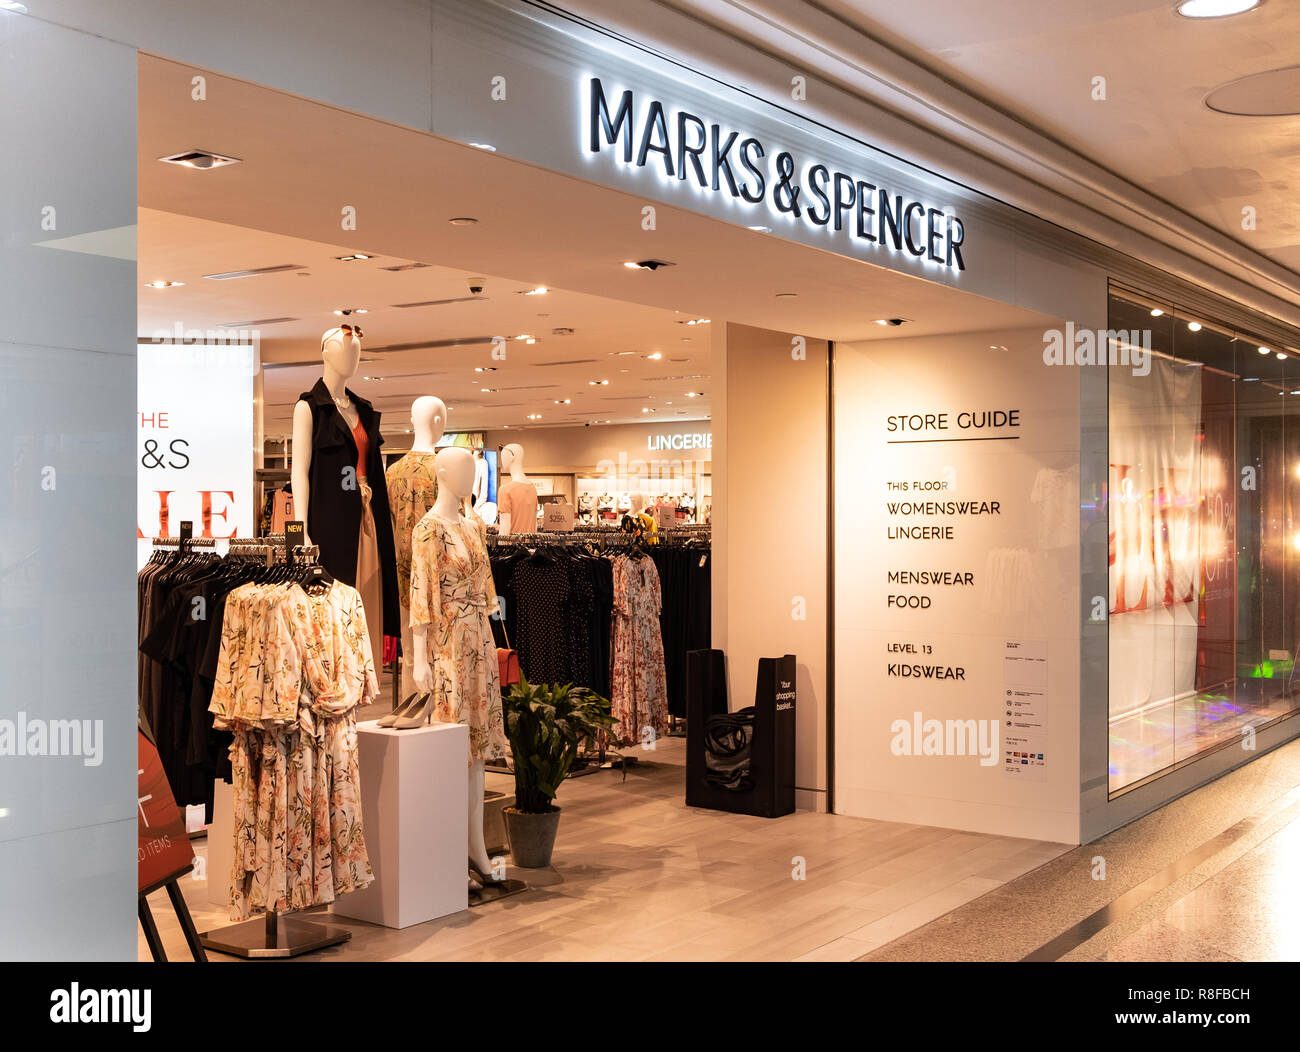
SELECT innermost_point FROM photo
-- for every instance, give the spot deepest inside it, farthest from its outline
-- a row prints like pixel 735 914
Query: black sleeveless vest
pixel 334 504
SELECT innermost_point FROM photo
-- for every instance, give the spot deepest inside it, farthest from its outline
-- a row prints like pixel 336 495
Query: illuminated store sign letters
pixel 693 440
pixel 684 147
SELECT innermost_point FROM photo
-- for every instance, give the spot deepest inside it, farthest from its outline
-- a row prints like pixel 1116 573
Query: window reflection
pixel 1204 539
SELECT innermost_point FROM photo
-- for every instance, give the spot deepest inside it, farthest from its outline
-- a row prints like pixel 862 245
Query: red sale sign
pixel 164 849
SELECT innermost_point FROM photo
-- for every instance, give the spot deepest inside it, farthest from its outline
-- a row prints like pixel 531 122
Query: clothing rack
pixel 272 935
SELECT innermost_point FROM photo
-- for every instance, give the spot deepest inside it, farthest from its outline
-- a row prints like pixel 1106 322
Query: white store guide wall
pixel 1003 629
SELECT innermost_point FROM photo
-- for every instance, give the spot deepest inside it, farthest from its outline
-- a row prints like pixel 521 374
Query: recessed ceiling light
pixel 761 229
pixel 18 9
pixel 534 416
pixel 1265 350
pixel 694 321
pixel 1281 356
pixel 541 290
pixel 646 410
pixel 162 284
pixel 694 394
pixel 344 312
pixel 485 368
pixel 1156 312
pixel 597 383
pixel 655 356
pixel 488 390
pixel 463 221
pixel 523 336
pixel 354 257
pixel 484 146
pixel 1195 326
pixel 374 379
pixel 199 160
pixel 564 401
pixel 1215 8
pixel 647 264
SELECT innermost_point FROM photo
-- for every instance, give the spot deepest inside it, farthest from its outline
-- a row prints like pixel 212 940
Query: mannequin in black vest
pixel 336 462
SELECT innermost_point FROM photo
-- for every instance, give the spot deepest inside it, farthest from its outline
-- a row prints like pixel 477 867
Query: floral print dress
pixel 293 669
pixel 638 680
pixel 452 595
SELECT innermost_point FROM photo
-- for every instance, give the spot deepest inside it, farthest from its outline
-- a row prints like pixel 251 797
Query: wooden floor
pixel 639 876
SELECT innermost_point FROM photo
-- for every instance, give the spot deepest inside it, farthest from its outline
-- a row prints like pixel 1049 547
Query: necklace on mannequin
pixel 344 403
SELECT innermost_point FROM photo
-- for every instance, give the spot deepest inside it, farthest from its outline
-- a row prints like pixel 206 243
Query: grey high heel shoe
pixel 401 710
pixel 416 716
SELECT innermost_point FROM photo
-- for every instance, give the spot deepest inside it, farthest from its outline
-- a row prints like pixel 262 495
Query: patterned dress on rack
pixel 296 786
pixel 638 682
pixel 453 595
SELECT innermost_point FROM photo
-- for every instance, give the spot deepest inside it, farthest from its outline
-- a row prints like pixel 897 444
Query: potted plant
pixel 545 725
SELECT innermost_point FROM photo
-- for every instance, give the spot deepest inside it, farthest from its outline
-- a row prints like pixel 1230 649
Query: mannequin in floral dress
pixel 455 655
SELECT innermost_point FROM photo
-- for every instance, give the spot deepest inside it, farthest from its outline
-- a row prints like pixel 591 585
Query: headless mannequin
pixel 455 469
pixel 340 356
pixel 428 422
pixel 512 460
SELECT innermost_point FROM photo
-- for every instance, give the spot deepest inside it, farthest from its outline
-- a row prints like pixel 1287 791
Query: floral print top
pixel 412 489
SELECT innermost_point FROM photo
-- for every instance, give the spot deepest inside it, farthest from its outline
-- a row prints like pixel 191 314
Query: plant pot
pixel 532 837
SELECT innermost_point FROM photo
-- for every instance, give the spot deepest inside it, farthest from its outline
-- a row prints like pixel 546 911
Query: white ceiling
pixel 1036 60
pixel 611 338
pixel 303 161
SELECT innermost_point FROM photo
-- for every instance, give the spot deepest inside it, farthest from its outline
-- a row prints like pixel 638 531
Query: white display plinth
pixel 414 802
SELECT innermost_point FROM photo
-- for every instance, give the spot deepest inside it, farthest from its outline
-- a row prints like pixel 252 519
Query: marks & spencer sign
pixel 713 158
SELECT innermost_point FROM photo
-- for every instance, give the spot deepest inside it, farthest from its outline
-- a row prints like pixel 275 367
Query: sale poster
pixel 194 442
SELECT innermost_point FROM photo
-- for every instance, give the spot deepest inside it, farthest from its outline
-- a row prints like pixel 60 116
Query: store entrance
pixel 365 352
pixel 642 392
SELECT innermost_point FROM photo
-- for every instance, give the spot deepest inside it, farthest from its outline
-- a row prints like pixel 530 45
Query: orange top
pixel 363 447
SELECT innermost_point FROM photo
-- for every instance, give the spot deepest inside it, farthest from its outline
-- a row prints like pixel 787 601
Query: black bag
pixel 727 744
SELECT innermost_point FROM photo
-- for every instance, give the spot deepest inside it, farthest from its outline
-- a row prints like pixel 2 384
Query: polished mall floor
pixel 1209 877
pixel 639 876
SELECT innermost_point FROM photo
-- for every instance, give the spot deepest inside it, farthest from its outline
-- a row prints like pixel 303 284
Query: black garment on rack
pixel 169 634
pixel 559 603
pixel 540 584
pixel 602 620
pixel 685 619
